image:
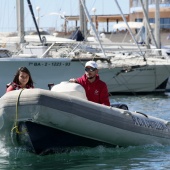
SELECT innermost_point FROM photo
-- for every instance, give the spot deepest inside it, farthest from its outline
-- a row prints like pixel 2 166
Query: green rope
pixel 16 114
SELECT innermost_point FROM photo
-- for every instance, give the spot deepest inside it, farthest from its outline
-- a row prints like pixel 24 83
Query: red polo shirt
pixel 97 91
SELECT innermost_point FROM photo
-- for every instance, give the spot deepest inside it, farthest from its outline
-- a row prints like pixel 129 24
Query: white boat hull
pixel 121 76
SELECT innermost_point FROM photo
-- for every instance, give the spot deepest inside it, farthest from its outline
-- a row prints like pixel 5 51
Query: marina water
pixel 146 157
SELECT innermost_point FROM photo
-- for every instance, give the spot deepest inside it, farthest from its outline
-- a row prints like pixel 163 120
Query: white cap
pixel 91 64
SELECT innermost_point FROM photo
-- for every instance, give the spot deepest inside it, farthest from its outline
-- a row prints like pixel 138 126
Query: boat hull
pixel 42 139
pixel 80 118
pixel 122 76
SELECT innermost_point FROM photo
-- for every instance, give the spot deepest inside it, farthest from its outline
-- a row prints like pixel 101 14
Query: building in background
pixel 136 13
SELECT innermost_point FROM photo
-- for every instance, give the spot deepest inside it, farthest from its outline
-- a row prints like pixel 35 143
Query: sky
pixel 64 7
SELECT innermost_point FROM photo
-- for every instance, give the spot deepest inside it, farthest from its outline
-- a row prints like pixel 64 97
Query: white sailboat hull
pixel 121 76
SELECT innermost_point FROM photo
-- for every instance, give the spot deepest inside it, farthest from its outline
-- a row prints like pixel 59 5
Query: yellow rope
pixel 16 114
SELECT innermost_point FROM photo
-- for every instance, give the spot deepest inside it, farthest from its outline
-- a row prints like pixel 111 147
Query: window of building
pixel 138 20
pixel 161 23
pixel 165 23
pixel 151 20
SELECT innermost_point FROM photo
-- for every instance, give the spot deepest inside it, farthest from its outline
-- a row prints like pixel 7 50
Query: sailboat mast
pixel 83 23
pixel 146 4
pixel 147 23
pixel 157 23
pixel 20 20
pixel 94 29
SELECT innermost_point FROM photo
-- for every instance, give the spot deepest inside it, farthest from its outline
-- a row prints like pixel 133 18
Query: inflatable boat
pixel 62 118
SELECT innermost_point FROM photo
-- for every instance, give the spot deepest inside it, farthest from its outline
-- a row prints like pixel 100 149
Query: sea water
pixel 147 157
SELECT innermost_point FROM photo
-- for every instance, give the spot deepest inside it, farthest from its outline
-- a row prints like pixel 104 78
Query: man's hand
pixel 73 80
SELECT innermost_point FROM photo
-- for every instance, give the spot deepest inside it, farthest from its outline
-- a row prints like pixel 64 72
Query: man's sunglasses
pixel 90 69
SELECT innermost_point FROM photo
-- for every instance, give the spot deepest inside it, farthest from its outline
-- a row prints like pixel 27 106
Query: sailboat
pixel 121 73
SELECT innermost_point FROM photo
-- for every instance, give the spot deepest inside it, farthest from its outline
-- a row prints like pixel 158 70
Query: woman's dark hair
pixel 25 70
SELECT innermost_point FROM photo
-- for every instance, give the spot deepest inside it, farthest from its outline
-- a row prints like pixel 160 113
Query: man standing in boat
pixel 96 90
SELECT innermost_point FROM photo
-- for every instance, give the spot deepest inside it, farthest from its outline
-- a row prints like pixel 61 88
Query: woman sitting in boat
pixel 22 79
pixel 96 90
